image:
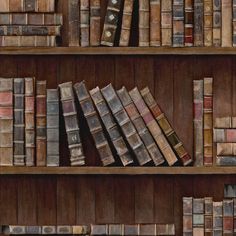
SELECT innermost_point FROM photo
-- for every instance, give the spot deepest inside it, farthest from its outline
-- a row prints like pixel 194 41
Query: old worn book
pixel 153 127
pixel 19 121
pixel 234 23
pixel 224 135
pixel 230 191
pixel 111 127
pixel 126 125
pixel 111 22
pixel 126 23
pixel 49 229
pixel 6 122
pixel 77 157
pixel 178 23
pixel 208 22
pixel 228 217
pixel 208 215
pixel 155 23
pixel 64 229
pixel 80 229
pixel 52 127
pixel 74 22
pixel 224 122
pixel 217 218
pixel 95 22
pixel 198 217
pixel 187 216
pixel 199 23
pixel 14 229
pixel 226 160
pixel 226 149
pixel 167 129
pixel 166 23
pixel 131 229
pixel 99 229
pixel 226 23
pixel 144 23
pixel 216 38
pixel 94 124
pixel 147 229
pixel 165 229
pixel 84 23
pixel 140 126
pixel 33 230
pixel 115 229
pixel 188 23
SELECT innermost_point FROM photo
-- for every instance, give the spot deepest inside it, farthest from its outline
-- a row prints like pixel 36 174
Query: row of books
pixel 29 23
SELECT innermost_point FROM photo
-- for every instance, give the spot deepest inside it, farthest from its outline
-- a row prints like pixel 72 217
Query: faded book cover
pixel 216 38
pixel 166 23
pixel 199 23
pixel 144 23
pixel 208 23
pixel 95 22
pixel 188 23
pixel 227 23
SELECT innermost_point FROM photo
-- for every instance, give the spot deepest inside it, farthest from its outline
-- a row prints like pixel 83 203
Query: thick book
pixel 227 23
pixel 208 215
pixel 6 122
pixel 198 217
pixel 99 229
pixel 199 23
pixel 64 229
pixel 225 122
pixel 131 229
pixel 111 23
pixel 234 23
pixel 46 229
pixel 224 135
pixel 216 38
pixel 94 124
pixel 226 149
pixel 188 23
pixel 153 127
pixel 84 23
pixel 115 229
pixel 217 218
pixel 187 216
pixel 228 217
pixel 144 23
pixel 77 157
pixel 166 127
pixel 208 22
pixel 95 22
pixel 126 23
pixel 226 160
pixel 111 127
pixel 80 229
pixel 140 126
pixel 19 122
pixel 53 127
pixel 126 125
pixel 166 23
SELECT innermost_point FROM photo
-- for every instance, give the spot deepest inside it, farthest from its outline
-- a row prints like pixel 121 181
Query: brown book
pixel 226 149
pixel 144 27
pixel 216 38
pixel 165 229
pixel 147 229
pixel 80 230
pixel 208 23
pixel 217 218
pixel 208 215
pixel 84 23
pixel 198 23
pixel 187 216
pixel 227 23
pixel 234 23
pixel 198 217
pixel 155 23
pixel 228 217
pixel 126 23
pixel 99 229
pixel 188 23
pixel 95 22
pixel 224 122
pixel 166 23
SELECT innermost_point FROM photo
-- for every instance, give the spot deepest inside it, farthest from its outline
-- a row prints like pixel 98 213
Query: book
pixel 208 22
pixel 144 23
pixel 166 127
pixel 229 191
pixel 49 229
pixel 234 23
pixel 115 229
pixel 77 157
pixel 165 229
pixel 33 230
pixel 208 215
pixel 224 135
pixel 198 217
pixel 126 23
pixel 155 23
pixel 140 126
pixel 225 122
pixel 226 149
pixel 95 22
pixel 187 216
pixel 14 229
pixel 111 127
pixel 6 122
pixel 166 23
pixel 94 124
pixel 80 229
pixel 131 229
pixel 99 229
pixel 198 23
pixel 216 38
pixel 19 121
pixel 226 23
pixel 84 23
pixel 147 229
pixel 53 127
pixel 64 229
pixel 228 217
pixel 225 160
pixel 126 125
pixel 217 218
pixel 153 127
pixel 234 199
pixel 188 23
pixel 111 22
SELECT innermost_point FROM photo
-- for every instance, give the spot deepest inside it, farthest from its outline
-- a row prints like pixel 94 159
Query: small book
pixel 208 215
pixel 226 160
pixel 208 22
pixel 94 124
pixel 33 230
pixel 228 217
pixel 230 191
pixel 188 23
pixel 227 18
pixel 84 23
pixel 80 229
pixel 217 218
pixel 77 157
pixel 234 23
pixel 115 229
pixel 226 149
pixel 131 230
pixel 166 23
pixel 144 23
pixel 165 229
pixel 198 23
pixel 198 217
pixel 224 135
pixel 99 229
pixel 95 22
pixel 147 229
pixel 49 229
pixel 216 38
pixel 64 229
pixel 187 216
pixel 225 122
pixel 14 229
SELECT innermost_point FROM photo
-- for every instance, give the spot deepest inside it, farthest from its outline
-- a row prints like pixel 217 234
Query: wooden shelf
pixel 116 170
pixel 116 51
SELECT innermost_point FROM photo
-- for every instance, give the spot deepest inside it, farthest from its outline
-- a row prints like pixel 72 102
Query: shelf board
pixel 116 170
pixel 116 51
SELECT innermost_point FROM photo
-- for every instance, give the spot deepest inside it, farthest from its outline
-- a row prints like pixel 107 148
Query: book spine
pixel 126 125
pixel 30 121
pixel 208 121
pixel 49 229
pixel 234 200
pixel 166 23
pixel 208 215
pixel 19 122
pixel 80 229
pixel 84 23
pixel 94 124
pixel 95 22
pixel 73 18
pixel 224 135
pixel 14 229
pixel 234 23
pixel 153 127
pixel 228 217
pixel 4 6
pixel 226 149
pixel 188 23
pixel 216 40
pixel 71 124
pixel 155 23
pixel 227 23
pixel 198 217
pixel 45 6
pixel 178 23
pixel 52 127
pixel 187 216
pixel 223 122
pixel 217 218
pixel 225 160
pixel 208 23
pixel 126 23
pixel 64 229
pixel 33 230
pixel 111 127
pixel 140 126
pixel 144 23
pixel 6 122
pixel 198 23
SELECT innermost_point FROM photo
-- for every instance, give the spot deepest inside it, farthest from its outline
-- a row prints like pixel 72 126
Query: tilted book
pixel 153 127
pixel 224 135
pixel 199 23
pixel 84 23
pixel 163 122
pixel 144 23
pixel 208 215
pixel 166 23
pixel 94 124
pixel 155 23
pixel 234 23
pixel 95 22
pixel 187 216
pixel 216 38
pixel 198 217
pixel 111 127
pixel 126 125
pixel 227 23
pixel 77 157
pixel 188 23
pixel 208 22
pixel 217 218
pixel 228 217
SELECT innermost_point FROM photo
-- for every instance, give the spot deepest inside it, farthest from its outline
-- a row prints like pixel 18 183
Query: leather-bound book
pixel 165 229
pixel 147 229
pixel 126 125
pixel 77 157
pixel 6 122
pixel 33 230
pixel 198 122
pixel 99 229
pixel 178 23
pixel 163 122
pixel 80 229
pixel 198 23
pixel 45 6
pixel 153 127
pixel 64 229
pixel 188 23
pixel 95 22
pixel 223 122
pixel 49 229
pixel 115 229
pixel 227 23
pixel 52 127
pixel 14 229
pixel 19 122
pixel 224 135
pixel 155 22
pixel 226 160
pixel 144 23
pixel 228 217
pixel 111 127
pixel 217 218
pixel 208 215
pixel 234 23
pixel 131 229
pixel 216 39
pixel 74 23
pixel 198 217
pixel 94 124
pixel 166 23
pixel 111 22
pixel 226 149
pixel 126 23
pixel 208 22
pixel 84 23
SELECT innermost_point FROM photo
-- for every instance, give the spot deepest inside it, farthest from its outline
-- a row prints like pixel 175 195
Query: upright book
pixel 198 217
pixel 234 23
pixel 208 22
pixel 188 23
pixel 95 22
pixel 84 23
pixel 155 22
pixel 227 23
pixel 199 23
pixel 217 218
pixel 228 217
pixel 208 216
pixel 144 23
pixel 166 23
pixel 187 216
pixel 216 38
